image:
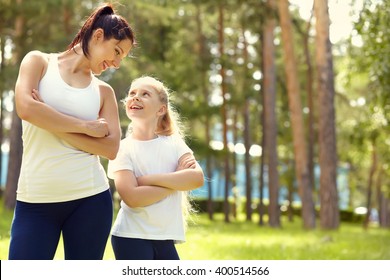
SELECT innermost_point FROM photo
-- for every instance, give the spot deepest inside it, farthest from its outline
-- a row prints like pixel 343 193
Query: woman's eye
pixel 117 52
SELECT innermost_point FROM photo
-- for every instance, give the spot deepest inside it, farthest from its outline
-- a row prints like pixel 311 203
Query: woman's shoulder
pixel 104 88
pixel 36 56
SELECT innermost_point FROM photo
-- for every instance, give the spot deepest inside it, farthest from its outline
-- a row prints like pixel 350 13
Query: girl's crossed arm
pixel 134 195
pixel 188 176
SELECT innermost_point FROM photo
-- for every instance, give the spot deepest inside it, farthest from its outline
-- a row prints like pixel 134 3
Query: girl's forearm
pixel 142 196
pixel 182 180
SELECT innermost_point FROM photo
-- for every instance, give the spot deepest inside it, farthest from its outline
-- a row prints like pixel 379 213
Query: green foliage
pixel 239 240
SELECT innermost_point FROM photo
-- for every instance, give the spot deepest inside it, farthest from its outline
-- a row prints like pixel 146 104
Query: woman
pixel 69 119
pixel 153 171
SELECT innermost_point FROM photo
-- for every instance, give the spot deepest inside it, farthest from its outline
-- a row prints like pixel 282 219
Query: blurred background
pixel 286 105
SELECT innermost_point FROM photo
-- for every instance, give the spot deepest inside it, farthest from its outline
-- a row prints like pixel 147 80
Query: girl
pixel 152 172
pixel 63 188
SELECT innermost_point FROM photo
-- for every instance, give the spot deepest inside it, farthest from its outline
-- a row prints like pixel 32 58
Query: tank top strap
pixel 52 65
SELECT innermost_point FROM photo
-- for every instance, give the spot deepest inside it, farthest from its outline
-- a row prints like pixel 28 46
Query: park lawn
pixel 241 240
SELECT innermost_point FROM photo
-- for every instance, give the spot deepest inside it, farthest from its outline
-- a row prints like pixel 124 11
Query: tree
pixel 223 109
pixel 270 116
pixel 294 98
pixel 203 67
pixel 15 154
pixel 329 211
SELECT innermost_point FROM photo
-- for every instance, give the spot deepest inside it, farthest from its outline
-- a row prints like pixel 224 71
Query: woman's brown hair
pixel 113 25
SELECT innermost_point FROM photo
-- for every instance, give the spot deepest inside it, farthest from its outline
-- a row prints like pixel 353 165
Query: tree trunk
pixel 234 171
pixel 294 98
pixel 15 160
pixel 247 134
pixel 2 78
pixel 329 212
pixel 382 202
pixel 248 178
pixel 270 115
pixel 374 164
pixel 203 84
pixel 16 146
pixel 261 165
pixel 223 111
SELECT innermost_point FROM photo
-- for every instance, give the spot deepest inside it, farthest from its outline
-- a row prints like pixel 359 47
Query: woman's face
pixel 106 54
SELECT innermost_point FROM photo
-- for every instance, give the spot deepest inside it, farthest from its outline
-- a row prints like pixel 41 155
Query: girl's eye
pixel 117 52
pixel 145 93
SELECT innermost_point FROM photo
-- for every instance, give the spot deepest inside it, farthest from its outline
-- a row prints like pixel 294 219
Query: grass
pixel 241 240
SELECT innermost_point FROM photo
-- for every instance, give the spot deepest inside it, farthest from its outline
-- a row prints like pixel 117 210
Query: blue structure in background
pixel 4 167
pixel 218 183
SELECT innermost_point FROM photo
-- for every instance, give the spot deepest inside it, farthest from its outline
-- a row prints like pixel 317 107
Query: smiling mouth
pixel 135 107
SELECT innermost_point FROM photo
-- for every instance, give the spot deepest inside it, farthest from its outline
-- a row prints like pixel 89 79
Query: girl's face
pixel 107 53
pixel 143 102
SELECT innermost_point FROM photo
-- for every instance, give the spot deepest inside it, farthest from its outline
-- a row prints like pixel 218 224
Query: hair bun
pixel 106 10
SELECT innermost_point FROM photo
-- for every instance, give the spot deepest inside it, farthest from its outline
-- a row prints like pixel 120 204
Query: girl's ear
pixel 162 111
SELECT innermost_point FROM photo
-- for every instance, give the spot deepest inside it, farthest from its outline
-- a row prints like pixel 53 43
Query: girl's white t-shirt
pixel 162 220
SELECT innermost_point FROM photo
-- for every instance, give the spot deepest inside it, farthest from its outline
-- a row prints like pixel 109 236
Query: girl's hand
pixel 186 162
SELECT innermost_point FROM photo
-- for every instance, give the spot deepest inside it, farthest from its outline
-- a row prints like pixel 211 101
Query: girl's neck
pixel 143 134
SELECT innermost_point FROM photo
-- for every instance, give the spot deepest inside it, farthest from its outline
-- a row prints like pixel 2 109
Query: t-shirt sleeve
pixel 182 147
pixel 121 162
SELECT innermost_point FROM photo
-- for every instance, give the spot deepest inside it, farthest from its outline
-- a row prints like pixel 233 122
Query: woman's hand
pixel 36 96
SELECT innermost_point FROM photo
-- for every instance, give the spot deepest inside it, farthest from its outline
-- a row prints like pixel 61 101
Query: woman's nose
pixel 116 63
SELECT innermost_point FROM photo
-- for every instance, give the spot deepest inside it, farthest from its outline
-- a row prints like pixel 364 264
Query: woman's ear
pixel 98 34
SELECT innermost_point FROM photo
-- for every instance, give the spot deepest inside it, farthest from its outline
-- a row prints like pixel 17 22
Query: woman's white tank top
pixel 52 170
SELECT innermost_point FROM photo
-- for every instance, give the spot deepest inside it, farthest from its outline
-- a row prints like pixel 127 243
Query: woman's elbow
pixel 24 112
pixel 112 151
pixel 110 155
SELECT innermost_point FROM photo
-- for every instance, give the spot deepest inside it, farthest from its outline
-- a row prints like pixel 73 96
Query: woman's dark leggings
pixel 142 249
pixel 85 225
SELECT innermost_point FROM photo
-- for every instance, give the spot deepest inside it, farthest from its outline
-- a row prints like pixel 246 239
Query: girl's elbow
pixel 200 181
pixel 131 202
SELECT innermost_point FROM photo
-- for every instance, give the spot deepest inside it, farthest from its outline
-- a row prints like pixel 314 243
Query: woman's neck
pixel 76 60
